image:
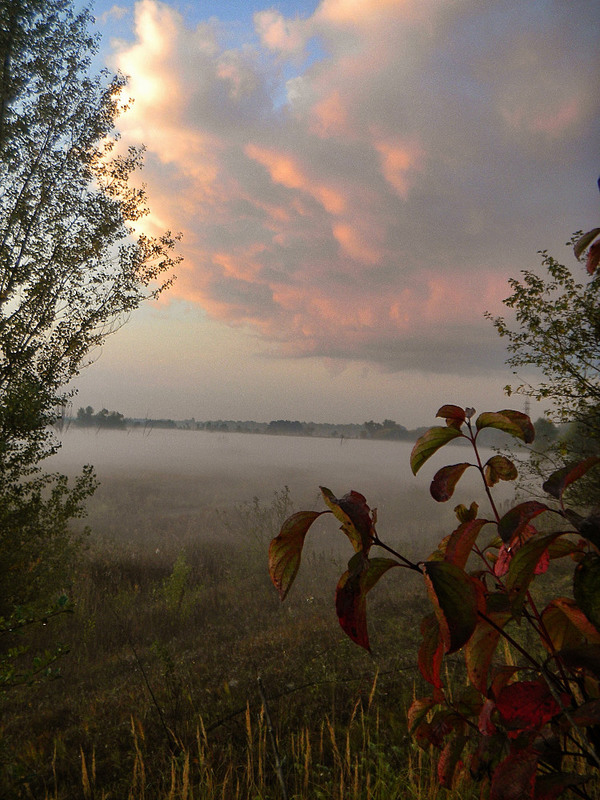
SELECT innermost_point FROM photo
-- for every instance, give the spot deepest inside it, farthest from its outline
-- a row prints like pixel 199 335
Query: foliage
pixel 527 723
pixel 71 269
pixel 86 417
pixel 559 333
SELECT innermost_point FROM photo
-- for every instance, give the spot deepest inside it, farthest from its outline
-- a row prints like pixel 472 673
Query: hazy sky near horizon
pixel 355 182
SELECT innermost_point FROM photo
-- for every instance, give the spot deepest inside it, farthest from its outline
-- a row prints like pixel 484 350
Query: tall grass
pixel 158 697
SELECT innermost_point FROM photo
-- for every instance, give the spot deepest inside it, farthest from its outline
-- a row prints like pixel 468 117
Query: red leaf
pixel 593 258
pixel 445 480
pixel 430 443
pixel 418 711
pixel 514 778
pixel 526 706
pixel 351 595
pixel 285 550
pixel 515 520
pixel 567 625
pixel 559 480
pixel 449 760
pixel 355 515
pixel 461 541
pixel 454 415
pixel 506 553
pixel 481 647
pixel 523 566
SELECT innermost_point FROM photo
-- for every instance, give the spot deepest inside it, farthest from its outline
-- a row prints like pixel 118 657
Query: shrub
pixel 527 721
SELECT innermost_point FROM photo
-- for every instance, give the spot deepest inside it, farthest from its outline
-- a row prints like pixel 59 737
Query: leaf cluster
pixel 527 712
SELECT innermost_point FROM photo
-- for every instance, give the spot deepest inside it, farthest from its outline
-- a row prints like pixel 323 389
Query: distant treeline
pixel 386 430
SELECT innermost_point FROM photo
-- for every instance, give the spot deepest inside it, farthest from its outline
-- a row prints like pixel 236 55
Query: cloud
pixel 114 12
pixel 417 161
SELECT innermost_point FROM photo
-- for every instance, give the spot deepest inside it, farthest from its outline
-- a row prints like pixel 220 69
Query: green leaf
pixel 481 647
pixel 499 468
pixel 445 480
pixel 355 515
pixel 464 514
pixel 285 550
pixel 430 443
pixel 518 518
pixel 513 422
pixel 586 587
pixel 522 566
pixel 351 595
pixel 454 600
pixel 567 625
pixel 559 480
pixel 584 242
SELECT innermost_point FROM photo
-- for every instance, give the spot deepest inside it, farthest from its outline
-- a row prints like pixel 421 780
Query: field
pixel 185 676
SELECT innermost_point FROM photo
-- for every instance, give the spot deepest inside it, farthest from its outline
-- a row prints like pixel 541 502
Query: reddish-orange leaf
pixel 593 258
pixel 559 480
pixel 351 596
pixel 526 706
pixel 449 761
pixel 514 777
pixel 454 415
pixel 445 480
pixel 461 541
pixel 567 625
pixel 506 553
pixel 523 566
pixel 285 550
pixel 431 651
pixel 418 711
pixel 481 647
pixel 355 515
pixel 515 520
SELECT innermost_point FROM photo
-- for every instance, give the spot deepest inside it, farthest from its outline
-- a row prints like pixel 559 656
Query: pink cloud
pixel 377 213
pixel 399 163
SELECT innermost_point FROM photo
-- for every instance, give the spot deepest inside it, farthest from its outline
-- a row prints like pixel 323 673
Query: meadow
pixel 185 677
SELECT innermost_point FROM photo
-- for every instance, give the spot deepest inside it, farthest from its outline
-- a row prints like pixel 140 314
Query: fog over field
pixel 173 484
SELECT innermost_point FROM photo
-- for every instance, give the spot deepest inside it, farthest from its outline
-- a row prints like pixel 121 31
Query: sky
pixel 355 182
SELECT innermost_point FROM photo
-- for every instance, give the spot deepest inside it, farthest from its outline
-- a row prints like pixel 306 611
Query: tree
pixel 558 333
pixel 72 267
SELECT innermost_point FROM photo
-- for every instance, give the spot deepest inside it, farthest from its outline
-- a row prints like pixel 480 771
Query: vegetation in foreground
pixel 159 695
pixel 526 722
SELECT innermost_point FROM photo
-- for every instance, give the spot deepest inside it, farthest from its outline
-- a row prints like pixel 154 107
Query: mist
pixel 163 487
